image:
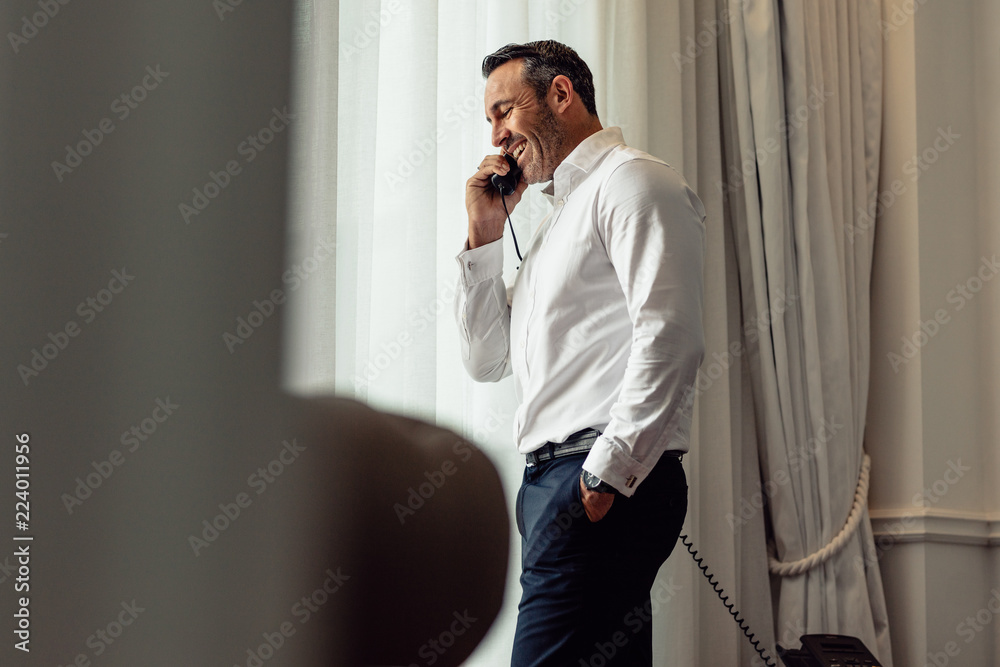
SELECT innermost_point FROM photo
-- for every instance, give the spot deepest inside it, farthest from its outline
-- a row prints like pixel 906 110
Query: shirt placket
pixel 538 253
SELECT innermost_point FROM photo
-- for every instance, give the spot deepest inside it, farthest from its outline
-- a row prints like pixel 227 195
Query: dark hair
pixel 544 61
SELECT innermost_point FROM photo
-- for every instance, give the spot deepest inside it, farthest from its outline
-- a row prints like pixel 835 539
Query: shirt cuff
pixel 615 467
pixel 482 263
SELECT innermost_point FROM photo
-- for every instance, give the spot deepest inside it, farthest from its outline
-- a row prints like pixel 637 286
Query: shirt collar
pixel 581 161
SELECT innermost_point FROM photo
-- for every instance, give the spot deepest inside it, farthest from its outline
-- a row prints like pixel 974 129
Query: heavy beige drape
pixel 807 98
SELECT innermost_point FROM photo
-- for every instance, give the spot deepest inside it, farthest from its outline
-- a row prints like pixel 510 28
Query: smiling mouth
pixel 516 153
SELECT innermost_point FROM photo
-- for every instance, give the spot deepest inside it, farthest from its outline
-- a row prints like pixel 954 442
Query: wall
pixel 932 428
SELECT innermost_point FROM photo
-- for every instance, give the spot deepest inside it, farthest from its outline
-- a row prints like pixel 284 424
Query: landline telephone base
pixel 828 651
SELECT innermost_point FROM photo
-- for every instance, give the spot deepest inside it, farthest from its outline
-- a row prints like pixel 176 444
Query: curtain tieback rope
pixel 793 568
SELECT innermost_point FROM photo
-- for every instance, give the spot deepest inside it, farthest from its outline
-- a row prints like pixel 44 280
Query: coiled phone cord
pixel 730 607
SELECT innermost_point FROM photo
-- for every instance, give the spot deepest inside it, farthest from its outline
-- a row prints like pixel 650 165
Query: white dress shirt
pixel 602 327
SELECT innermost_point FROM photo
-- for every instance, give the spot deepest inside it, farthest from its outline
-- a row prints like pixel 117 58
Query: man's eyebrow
pixel 496 106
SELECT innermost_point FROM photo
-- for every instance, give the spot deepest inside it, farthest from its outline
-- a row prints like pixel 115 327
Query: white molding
pixel 935 525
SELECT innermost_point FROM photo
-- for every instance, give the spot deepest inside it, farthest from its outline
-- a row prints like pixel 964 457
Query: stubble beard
pixel 551 138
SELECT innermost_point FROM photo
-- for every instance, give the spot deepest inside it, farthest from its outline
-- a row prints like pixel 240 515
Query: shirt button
pixel 559 203
pixel 470 265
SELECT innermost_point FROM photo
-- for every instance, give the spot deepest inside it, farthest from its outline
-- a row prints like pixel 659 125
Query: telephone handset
pixel 507 183
pixel 828 651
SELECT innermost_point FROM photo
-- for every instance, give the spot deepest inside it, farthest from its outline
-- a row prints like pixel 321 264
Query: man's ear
pixel 561 93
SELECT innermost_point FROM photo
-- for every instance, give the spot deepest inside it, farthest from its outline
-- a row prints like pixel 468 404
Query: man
pixel 602 332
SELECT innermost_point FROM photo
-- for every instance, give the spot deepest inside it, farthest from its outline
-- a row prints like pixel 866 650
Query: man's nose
pixel 500 135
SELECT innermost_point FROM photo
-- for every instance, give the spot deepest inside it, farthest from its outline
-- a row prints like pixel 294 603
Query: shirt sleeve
pixel 482 312
pixel 652 225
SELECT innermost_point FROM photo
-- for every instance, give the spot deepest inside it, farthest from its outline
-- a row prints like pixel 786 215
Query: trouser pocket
pixel 519 510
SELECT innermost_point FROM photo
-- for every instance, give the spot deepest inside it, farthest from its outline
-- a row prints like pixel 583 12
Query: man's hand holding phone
pixel 482 201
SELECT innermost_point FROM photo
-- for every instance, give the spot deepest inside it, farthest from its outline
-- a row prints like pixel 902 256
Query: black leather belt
pixel 577 443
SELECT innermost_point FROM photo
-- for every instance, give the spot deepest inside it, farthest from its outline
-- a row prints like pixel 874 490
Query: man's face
pixel 523 126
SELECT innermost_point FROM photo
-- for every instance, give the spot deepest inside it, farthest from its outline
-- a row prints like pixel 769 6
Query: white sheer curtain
pixel 390 122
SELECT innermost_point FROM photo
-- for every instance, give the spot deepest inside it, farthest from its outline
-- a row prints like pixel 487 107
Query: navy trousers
pixel 586 585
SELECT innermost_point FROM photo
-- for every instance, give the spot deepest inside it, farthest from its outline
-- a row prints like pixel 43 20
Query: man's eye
pixel 507 112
